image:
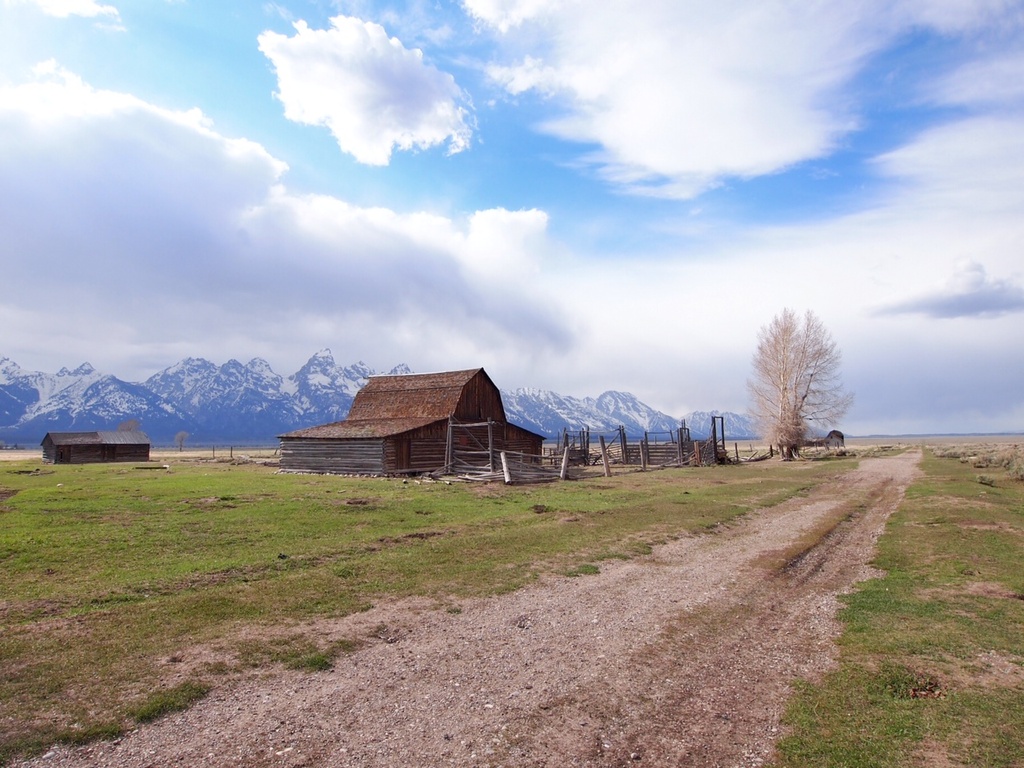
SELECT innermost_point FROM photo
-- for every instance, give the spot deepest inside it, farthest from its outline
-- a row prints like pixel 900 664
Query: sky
pixel 576 196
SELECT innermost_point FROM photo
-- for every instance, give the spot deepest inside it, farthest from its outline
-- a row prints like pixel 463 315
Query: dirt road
pixel 683 657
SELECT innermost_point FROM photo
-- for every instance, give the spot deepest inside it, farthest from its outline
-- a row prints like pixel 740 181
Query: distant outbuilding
pixel 835 439
pixel 410 423
pixel 93 447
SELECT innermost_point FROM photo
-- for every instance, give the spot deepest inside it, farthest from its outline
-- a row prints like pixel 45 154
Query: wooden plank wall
pixel 97 454
pixel 356 457
pixel 480 400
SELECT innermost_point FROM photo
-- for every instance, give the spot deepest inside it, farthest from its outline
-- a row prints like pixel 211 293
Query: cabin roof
pixel 108 437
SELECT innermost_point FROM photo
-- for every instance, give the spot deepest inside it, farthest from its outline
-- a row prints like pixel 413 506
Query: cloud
pixel 996 81
pixel 371 92
pixel 62 9
pixel 506 14
pixel 679 98
pixel 970 292
pixel 167 235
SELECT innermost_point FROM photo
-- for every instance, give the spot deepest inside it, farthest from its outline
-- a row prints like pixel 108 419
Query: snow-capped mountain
pixel 250 403
pixel 240 402
pixel 324 388
pixel 738 426
pixel 33 403
pixel 549 413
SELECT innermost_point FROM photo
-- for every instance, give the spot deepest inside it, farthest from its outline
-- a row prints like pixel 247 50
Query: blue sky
pixel 578 196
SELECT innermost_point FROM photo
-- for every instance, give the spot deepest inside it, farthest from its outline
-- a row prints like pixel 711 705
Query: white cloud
pixel 506 245
pixel 506 14
pixel 992 82
pixel 531 74
pixel 373 94
pixel 681 96
pixel 970 166
pixel 167 235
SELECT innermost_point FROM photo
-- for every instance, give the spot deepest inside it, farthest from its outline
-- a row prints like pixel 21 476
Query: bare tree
pixel 796 380
pixel 179 440
pixel 129 425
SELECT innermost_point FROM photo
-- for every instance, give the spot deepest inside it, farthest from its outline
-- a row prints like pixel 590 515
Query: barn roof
pixel 362 428
pixel 427 397
pixel 396 403
pixel 112 437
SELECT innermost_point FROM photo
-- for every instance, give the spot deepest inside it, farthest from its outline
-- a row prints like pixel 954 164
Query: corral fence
pixel 474 451
pixel 676 448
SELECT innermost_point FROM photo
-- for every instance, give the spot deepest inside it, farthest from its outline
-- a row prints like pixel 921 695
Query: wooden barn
pixel 411 423
pixel 90 447
pixel 835 440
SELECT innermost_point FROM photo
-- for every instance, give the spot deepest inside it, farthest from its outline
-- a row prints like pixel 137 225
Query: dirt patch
pixel 984 525
pixel 682 657
pixel 974 589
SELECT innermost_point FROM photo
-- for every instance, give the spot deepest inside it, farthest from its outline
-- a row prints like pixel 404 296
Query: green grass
pixel 168 700
pixel 932 656
pixel 107 573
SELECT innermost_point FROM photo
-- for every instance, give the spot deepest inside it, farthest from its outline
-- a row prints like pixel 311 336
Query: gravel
pixel 682 657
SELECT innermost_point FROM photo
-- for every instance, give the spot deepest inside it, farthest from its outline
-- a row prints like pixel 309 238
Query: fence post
pixel 505 469
pixel 643 454
pixel 565 463
pixel 604 458
pixel 490 445
pixel 448 460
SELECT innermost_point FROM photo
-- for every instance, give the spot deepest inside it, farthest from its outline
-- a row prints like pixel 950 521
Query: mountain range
pixel 250 404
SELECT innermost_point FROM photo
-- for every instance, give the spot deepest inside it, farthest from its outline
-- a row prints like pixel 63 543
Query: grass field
pixel 110 573
pixel 932 658
pixel 109 570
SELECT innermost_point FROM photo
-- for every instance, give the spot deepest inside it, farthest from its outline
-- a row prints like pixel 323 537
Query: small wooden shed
pixel 90 447
pixel 835 440
pixel 409 423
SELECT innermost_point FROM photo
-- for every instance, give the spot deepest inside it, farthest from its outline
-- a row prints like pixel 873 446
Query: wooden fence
pixel 474 453
pixel 654 449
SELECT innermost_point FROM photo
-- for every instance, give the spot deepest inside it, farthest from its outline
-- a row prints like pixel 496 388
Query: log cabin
pixel 93 447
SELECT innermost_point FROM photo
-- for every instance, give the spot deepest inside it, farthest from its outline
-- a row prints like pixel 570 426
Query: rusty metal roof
pixel 112 437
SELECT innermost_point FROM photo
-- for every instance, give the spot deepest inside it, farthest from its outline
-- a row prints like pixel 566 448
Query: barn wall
pixel 131 453
pixel 522 441
pixel 480 401
pixel 427 448
pixel 335 456
pixel 95 454
pixel 82 454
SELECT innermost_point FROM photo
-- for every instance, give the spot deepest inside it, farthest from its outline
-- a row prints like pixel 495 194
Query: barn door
pixel 403 454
